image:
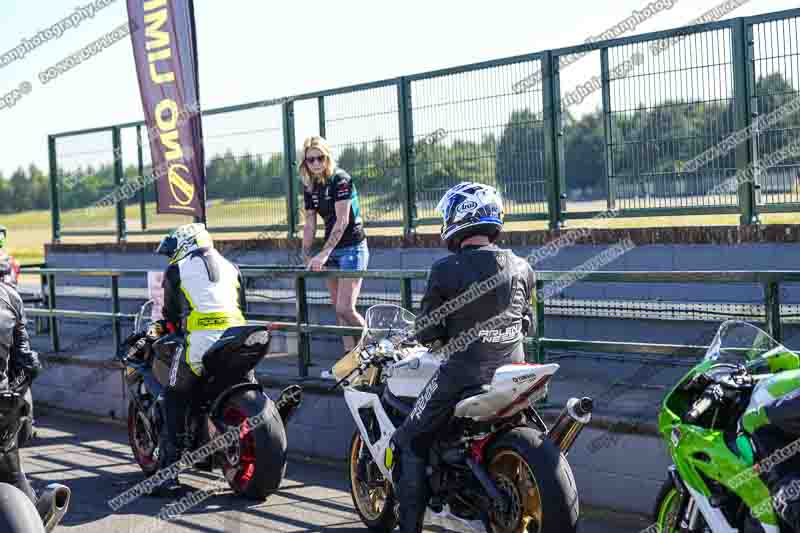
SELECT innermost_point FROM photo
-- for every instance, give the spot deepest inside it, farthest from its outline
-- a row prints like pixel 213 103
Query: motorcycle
pixel 17 513
pixel 496 467
pixel 228 396
pixel 713 484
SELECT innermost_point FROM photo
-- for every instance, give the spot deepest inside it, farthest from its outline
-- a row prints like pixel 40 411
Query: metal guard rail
pixel 769 280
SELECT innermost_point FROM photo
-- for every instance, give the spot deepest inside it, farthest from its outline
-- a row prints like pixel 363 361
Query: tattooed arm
pixel 309 231
pixel 310 227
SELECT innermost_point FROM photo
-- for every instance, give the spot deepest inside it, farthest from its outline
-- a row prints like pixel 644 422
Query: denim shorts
pixel 354 257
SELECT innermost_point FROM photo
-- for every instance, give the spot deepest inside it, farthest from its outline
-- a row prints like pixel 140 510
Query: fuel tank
pixel 408 377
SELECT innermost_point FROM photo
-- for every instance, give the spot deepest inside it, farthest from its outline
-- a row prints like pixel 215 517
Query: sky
pixel 255 50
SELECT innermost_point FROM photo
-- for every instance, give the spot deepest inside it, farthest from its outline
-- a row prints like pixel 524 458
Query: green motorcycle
pixel 729 460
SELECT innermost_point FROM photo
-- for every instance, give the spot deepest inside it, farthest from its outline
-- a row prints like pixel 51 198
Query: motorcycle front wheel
pixel 142 444
pixel 372 494
pixel 538 482
pixel 665 514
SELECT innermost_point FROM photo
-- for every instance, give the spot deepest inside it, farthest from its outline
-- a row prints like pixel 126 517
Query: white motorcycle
pixel 496 467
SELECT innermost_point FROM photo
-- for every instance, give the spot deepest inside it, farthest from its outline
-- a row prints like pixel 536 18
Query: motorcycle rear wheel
pixel 530 470
pixel 256 465
pixel 374 501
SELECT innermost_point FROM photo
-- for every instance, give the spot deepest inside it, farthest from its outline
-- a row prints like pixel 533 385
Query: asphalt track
pixel 95 461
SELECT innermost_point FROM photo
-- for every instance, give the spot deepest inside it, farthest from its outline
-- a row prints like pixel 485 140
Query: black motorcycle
pixel 17 513
pixel 229 396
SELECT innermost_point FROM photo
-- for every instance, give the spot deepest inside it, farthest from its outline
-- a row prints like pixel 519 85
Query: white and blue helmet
pixel 470 209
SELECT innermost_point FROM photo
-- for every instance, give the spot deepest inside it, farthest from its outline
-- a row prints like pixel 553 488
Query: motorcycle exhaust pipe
pixel 569 424
pixel 53 505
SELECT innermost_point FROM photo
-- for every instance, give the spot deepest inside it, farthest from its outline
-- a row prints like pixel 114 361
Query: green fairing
pixel 784 383
pixel 724 467
pixel 784 361
pixel 745 449
pixel 754 419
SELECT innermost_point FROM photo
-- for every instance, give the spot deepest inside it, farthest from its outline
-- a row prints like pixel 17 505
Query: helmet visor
pixel 167 246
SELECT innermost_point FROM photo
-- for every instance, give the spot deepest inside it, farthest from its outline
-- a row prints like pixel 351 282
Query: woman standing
pixel 330 192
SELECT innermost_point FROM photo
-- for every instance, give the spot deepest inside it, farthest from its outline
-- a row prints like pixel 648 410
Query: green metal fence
pixel 772 312
pixel 663 98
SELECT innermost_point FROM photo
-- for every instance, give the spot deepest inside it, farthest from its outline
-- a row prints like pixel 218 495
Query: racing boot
pixel 290 399
pixel 412 492
pixel 168 457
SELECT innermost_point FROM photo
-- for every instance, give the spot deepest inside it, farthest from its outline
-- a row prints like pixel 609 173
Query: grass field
pixel 30 230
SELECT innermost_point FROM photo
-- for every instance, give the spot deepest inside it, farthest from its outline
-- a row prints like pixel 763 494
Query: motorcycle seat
pixel 475 391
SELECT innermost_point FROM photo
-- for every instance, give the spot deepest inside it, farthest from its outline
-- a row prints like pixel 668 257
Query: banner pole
pixel 203 192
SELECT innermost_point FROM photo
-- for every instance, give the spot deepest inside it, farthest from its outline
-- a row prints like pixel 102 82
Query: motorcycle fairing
pixel 774 387
pixel 357 401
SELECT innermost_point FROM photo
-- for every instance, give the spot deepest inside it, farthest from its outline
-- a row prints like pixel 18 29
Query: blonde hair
pixel 309 180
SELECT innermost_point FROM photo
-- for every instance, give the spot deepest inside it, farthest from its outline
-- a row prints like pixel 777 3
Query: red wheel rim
pixel 144 459
pixel 246 469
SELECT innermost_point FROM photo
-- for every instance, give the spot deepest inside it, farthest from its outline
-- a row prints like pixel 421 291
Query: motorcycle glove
pixel 137 350
pixel 156 330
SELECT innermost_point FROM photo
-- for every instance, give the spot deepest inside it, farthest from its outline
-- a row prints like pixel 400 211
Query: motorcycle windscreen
pixel 350 362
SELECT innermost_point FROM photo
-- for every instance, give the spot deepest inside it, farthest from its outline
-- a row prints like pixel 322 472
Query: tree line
pixel 647 145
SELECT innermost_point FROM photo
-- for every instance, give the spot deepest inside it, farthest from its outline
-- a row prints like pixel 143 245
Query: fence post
pixel 55 210
pixel 40 324
pixel 611 199
pixel 289 154
pixel 744 113
pixel 540 350
pixel 553 135
pixel 407 155
pixel 539 330
pixel 772 304
pixel 140 170
pixel 51 305
pixel 303 345
pixel 406 300
pixel 321 113
pixel 122 232
pixel 115 324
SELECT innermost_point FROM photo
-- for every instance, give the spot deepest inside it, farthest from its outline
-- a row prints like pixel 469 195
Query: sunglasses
pixel 312 160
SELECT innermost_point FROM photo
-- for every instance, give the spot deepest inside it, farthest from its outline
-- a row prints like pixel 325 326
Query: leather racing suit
pixel 498 344
pixel 16 356
pixel 203 296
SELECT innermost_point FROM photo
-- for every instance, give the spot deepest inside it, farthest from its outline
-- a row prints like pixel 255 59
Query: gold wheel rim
pixel 514 478
pixel 371 501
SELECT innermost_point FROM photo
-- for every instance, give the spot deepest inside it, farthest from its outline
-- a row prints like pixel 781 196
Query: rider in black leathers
pixel 473 216
pixel 17 361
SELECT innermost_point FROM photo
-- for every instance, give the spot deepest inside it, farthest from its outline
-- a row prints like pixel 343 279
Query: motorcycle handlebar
pixel 700 407
pixel 709 397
